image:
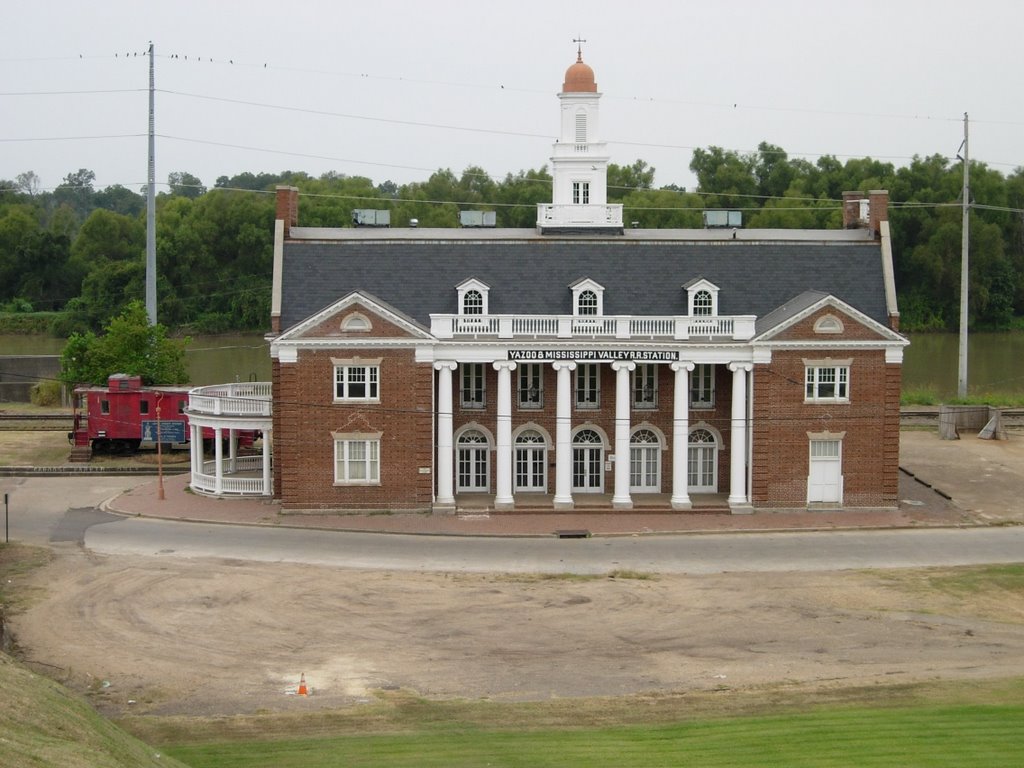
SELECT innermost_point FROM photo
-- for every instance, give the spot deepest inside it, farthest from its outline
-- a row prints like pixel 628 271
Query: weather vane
pixel 579 46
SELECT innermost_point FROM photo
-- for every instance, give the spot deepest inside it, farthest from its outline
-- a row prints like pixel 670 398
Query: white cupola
pixel 579 163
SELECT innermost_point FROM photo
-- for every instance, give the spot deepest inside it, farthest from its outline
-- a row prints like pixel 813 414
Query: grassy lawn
pixel 967 735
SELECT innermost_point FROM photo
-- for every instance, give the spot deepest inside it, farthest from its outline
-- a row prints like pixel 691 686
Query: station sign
pixel 170 431
pixel 595 355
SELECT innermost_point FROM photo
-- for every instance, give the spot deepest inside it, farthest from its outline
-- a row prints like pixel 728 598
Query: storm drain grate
pixel 573 533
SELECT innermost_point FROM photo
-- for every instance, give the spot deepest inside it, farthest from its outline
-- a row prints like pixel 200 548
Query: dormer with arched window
pixel 473 297
pixel 701 298
pixel 587 298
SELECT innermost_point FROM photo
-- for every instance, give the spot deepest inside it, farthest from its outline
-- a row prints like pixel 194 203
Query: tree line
pixel 78 252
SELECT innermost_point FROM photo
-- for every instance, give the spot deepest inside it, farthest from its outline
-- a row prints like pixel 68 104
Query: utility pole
pixel 961 388
pixel 151 205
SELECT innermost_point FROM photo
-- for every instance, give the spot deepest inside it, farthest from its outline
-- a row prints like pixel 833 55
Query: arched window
pixel 703 304
pixel 587 303
pixel 473 303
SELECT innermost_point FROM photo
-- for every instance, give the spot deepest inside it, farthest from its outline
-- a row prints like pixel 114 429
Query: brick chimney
pixel 878 209
pixel 851 209
pixel 288 206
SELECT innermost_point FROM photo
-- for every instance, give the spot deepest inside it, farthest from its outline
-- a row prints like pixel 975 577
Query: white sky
pixel 383 89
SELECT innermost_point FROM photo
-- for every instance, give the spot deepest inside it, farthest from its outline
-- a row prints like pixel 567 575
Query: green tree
pixel 726 176
pixel 624 179
pixel 129 345
pixel 184 184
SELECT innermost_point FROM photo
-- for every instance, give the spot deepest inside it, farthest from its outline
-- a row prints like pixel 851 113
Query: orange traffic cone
pixel 303 691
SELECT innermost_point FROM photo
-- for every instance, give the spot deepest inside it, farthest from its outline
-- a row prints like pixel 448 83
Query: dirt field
pixel 209 637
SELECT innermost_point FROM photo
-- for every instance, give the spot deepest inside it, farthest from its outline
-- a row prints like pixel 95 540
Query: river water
pixel 995 360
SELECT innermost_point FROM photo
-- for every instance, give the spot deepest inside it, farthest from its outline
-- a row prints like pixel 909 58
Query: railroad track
pixel 36 422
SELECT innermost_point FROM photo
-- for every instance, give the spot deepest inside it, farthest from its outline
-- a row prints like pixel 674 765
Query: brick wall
pixel 782 421
pixel 305 417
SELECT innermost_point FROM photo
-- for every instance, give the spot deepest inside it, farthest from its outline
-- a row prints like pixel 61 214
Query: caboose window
pixel 181 406
pixel 143 407
pixel 104 406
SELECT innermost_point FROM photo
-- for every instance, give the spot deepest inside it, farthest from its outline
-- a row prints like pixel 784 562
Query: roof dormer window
pixel 473 297
pixel 587 298
pixel 701 298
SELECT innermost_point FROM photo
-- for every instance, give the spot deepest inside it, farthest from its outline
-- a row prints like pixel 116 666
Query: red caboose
pixel 119 417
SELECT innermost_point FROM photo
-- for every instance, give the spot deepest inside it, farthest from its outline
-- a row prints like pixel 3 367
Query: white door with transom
pixel 825 478
pixel 587 462
pixel 644 462
pixel 531 461
pixel 702 462
pixel 473 467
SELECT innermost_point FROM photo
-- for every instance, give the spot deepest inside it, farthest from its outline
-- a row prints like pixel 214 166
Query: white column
pixel 681 436
pixel 503 498
pixel 268 487
pixel 195 445
pixel 563 436
pixel 218 459
pixel 232 451
pixel 621 499
pixel 445 435
pixel 739 502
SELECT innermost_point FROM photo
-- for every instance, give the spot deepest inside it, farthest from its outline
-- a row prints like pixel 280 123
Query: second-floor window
pixel 827 383
pixel 356 382
pixel 588 385
pixel 472 385
pixel 702 386
pixel 645 386
pixel 531 385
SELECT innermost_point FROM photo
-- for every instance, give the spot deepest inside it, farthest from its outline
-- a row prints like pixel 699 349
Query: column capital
pixel 620 365
pixel 683 366
pixel 564 365
pixel 441 365
pixel 745 367
pixel 509 365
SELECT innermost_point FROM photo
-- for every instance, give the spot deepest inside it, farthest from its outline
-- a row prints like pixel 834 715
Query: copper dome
pixel 579 78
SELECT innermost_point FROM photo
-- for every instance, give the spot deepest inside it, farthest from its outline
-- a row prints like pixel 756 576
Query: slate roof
pixel 532 275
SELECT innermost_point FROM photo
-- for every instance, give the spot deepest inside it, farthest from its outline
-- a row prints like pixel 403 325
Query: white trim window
pixel 827 382
pixel 473 386
pixel 588 386
pixel 356 460
pixel 531 385
pixel 581 193
pixel 473 303
pixel 645 386
pixel 702 386
pixel 356 383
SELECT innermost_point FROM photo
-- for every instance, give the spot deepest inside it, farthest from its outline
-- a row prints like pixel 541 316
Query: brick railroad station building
pixel 584 365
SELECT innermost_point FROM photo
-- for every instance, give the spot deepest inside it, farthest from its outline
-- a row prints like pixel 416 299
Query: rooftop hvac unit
pixel 371 217
pixel 716 219
pixel 477 219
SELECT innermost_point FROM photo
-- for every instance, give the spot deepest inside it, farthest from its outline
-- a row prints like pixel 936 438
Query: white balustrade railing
pixel 230 483
pixel 241 399
pixel 623 327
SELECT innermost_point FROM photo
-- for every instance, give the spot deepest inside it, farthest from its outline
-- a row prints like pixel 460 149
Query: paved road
pixel 63 510
pixel 714 553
